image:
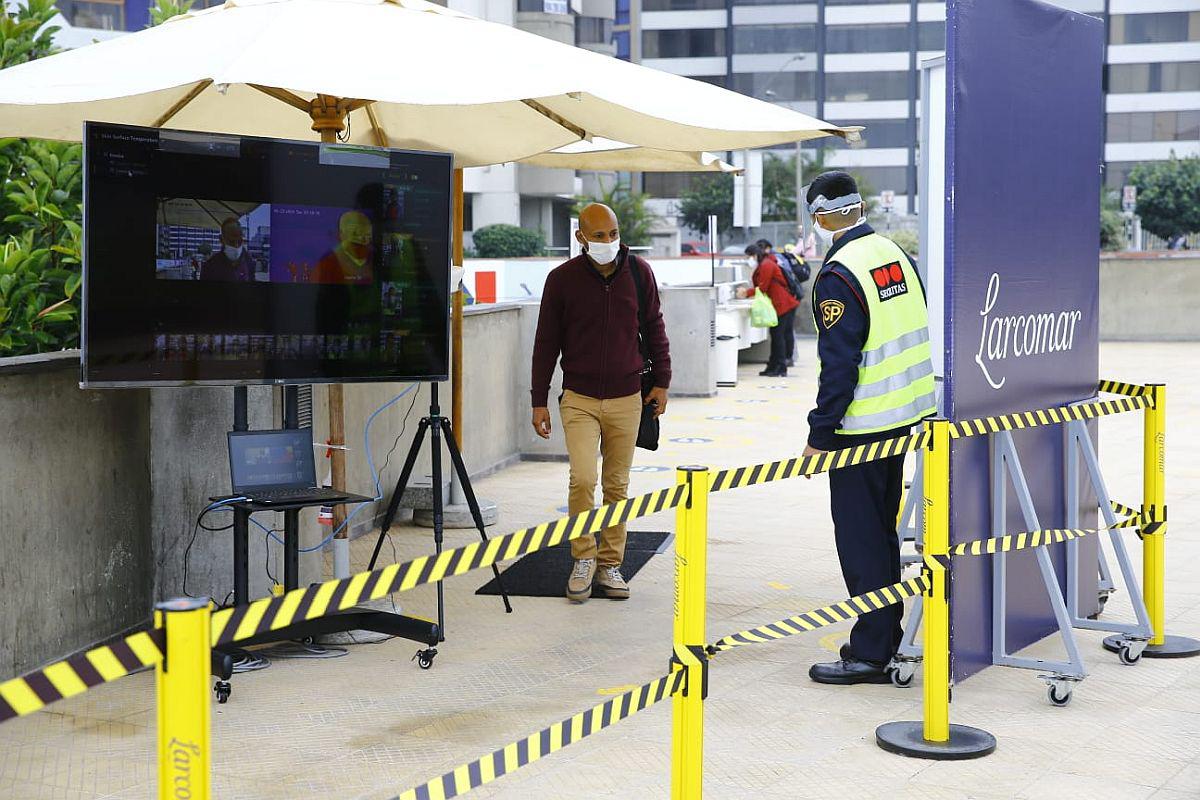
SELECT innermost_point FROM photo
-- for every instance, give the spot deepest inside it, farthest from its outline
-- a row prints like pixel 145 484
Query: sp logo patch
pixel 890 281
pixel 831 312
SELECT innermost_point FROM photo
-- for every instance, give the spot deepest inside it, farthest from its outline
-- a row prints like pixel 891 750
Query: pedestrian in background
pixel 768 277
pixel 589 318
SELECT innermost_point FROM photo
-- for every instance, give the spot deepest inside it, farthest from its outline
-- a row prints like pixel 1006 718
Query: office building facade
pixel 858 62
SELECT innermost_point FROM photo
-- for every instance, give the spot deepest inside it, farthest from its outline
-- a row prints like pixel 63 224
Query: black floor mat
pixel 544 573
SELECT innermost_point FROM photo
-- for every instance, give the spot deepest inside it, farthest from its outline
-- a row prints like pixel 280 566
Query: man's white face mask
pixel 604 252
pixel 827 235
pixel 234 253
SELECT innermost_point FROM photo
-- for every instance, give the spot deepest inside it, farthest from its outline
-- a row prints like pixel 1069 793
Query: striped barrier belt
pixel 825 616
pixel 546 741
pixel 272 613
pixel 1127 389
pixel 1046 416
pixel 77 673
pixel 1027 539
pixel 812 465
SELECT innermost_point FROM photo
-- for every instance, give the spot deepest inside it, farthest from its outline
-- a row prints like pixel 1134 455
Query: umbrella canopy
pixel 403 73
pixel 604 154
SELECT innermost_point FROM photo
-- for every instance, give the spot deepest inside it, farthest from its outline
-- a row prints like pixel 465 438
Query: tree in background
pixel 1112 224
pixel 635 218
pixel 1168 195
pixel 706 195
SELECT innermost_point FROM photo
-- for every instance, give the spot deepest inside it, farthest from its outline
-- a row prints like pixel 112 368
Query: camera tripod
pixel 437 427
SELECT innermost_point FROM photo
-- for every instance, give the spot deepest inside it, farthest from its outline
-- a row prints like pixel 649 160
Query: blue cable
pixel 374 475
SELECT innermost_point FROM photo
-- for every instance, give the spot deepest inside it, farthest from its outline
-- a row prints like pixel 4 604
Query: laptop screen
pixel 272 460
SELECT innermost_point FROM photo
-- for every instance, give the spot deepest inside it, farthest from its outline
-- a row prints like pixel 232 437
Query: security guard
pixel 876 382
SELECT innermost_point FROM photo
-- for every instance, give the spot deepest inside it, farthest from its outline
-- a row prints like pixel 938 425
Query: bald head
pixel 598 225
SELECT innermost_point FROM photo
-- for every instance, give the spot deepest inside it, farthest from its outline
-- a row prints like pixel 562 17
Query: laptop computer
pixel 277 467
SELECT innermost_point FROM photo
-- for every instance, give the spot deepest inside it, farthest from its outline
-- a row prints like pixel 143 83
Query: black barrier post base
pixel 908 739
pixel 1172 647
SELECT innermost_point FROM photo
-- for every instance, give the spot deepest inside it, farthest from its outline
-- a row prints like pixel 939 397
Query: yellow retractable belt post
pixel 691 568
pixel 1154 509
pixel 184 711
pixel 934 737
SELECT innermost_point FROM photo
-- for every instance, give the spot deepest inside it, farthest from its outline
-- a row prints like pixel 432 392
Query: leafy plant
pixel 1168 199
pixel 635 219
pixel 38 306
pixel 1112 225
pixel 908 240
pixel 709 194
pixel 508 241
pixel 163 10
pixel 26 33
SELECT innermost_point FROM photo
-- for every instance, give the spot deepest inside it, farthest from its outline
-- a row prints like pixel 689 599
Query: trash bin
pixel 727 360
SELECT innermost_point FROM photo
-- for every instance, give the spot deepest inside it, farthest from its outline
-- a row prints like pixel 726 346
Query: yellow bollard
pixel 934 737
pixel 184 714
pixel 691 570
pixel 1154 503
pixel 937 597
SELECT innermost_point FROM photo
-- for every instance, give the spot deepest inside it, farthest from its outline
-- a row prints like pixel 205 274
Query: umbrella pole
pixel 327 115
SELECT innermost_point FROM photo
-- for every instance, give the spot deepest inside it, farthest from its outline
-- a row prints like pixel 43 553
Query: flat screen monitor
pixel 217 259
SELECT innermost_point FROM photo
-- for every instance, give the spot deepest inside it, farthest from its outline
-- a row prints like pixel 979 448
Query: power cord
pixel 196 530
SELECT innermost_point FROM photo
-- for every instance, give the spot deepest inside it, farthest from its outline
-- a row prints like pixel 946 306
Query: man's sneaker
pixel 579 585
pixel 612 584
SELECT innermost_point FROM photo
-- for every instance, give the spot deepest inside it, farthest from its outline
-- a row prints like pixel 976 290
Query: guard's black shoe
pixel 769 373
pixel 849 671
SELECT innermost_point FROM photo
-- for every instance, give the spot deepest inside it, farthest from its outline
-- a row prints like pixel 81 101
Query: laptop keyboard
pixel 292 494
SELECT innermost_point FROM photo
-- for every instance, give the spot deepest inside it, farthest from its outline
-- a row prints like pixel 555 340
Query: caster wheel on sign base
pixel 424 658
pixel 1128 656
pixel 222 689
pixel 1058 697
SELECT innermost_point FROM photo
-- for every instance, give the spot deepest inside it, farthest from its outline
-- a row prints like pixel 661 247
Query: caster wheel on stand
pixel 902 674
pixel 1058 696
pixel 424 658
pixel 222 689
pixel 1131 654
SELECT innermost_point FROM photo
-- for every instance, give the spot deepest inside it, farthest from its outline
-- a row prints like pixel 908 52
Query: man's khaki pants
pixel 611 425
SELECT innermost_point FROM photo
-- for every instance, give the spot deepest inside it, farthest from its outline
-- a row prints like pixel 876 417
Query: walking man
pixel 876 382
pixel 589 322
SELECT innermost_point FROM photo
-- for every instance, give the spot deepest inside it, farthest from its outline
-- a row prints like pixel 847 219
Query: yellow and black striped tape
pixel 1027 539
pixel 812 465
pixel 77 673
pixel 1127 389
pixel 1046 416
pixel 825 616
pixel 546 741
pixel 272 613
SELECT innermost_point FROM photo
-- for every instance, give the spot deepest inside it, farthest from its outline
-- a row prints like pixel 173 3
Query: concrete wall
pixel 75 551
pixel 1150 299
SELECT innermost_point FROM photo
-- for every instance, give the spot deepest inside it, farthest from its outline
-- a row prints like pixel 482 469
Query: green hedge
pixel 508 241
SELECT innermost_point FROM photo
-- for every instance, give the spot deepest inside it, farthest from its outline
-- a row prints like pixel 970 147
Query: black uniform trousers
pixel 781 335
pixel 865 501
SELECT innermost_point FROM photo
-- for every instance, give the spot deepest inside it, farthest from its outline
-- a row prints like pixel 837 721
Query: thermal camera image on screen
pixel 262 260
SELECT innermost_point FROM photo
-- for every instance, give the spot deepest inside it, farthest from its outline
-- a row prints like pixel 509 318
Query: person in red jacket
pixel 768 277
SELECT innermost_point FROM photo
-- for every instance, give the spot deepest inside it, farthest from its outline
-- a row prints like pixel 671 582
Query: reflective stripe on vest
pixel 895 377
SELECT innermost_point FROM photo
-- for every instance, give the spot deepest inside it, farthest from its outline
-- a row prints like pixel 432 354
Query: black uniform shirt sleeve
pixel 840 340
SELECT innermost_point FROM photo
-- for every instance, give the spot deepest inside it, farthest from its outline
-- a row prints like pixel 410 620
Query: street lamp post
pixel 769 93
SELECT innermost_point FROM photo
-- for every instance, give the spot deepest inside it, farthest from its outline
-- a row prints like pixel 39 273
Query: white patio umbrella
pixel 607 155
pixel 399 73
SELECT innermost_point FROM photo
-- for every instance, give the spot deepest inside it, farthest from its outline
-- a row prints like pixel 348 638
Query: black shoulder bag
pixel 648 429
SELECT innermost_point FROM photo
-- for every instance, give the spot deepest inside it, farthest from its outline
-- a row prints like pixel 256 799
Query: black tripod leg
pixel 401 485
pixel 472 503
pixel 438 518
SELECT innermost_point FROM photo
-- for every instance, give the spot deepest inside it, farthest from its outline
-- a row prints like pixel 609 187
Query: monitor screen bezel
pixel 86 383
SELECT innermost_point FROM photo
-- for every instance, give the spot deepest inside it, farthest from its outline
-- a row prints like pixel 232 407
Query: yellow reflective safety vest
pixel 895 377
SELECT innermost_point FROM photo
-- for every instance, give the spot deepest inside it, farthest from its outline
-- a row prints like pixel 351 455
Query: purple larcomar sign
pixel 1023 175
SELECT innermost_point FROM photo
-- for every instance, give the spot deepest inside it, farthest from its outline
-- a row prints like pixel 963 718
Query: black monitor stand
pixel 410 628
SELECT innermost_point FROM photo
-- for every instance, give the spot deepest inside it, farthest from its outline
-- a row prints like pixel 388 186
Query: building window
pixel 715 80
pixel 683 43
pixel 622 13
pixel 882 38
pixel 774 38
pixel 785 87
pixel 1174 26
pixel 863 2
pixel 621 40
pixel 1174 76
pixel 774 2
pixel 861 86
pixel 107 15
pixel 544 6
pixel 878 133
pixel 681 5
pixel 879 179
pixel 1116 173
pixel 931 35
pixel 593 30
pixel 1154 126
pixel 669 184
